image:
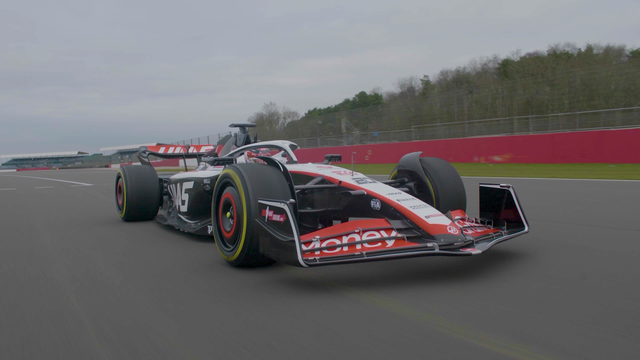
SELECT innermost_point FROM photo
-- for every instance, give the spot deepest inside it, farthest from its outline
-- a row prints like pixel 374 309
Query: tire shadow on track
pixel 399 273
pixel 171 231
pixel 408 272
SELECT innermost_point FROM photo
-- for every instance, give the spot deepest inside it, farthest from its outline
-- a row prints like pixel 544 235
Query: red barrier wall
pixel 166 162
pixel 163 163
pixel 33 169
pixel 602 146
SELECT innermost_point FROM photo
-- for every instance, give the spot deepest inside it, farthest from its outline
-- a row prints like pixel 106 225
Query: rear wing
pixel 176 152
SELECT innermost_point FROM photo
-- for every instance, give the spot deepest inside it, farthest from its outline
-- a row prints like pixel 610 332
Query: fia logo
pixel 375 204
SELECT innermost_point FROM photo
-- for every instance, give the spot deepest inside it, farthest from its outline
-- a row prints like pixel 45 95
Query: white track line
pixel 7 189
pixel 44 187
pixel 41 178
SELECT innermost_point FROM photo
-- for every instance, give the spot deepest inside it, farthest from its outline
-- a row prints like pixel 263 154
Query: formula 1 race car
pixel 262 206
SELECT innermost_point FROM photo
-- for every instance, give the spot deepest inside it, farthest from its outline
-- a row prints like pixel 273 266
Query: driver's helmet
pixel 250 155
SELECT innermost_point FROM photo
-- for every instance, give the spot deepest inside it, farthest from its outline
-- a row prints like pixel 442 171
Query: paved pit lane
pixel 78 283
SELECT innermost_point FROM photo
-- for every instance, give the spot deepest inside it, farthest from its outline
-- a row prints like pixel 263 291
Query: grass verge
pixel 172 169
pixel 566 171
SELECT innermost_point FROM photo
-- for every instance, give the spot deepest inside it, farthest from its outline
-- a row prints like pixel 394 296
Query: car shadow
pixel 405 273
pixel 186 235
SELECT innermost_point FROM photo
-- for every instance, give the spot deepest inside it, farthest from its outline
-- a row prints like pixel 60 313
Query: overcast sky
pixel 83 74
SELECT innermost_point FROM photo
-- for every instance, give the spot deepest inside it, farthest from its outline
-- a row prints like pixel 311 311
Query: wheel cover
pixel 230 182
pixel 120 195
pixel 227 220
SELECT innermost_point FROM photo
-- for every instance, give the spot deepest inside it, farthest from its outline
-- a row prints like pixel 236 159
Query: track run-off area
pixel 76 282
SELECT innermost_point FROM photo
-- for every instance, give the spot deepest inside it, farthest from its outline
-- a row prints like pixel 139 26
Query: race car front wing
pixel 501 218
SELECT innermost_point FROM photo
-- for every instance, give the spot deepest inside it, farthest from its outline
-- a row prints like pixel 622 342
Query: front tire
pixel 138 195
pixel 440 186
pixel 235 208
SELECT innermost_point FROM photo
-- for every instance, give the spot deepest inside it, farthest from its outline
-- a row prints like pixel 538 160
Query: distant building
pixel 43 160
pixel 123 153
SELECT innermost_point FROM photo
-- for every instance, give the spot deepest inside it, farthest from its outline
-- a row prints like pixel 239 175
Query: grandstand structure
pixel 65 159
pixel 123 153
pixel 123 149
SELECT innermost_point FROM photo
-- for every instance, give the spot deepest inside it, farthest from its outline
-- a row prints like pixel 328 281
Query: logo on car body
pixel 270 215
pixel 180 196
pixel 417 207
pixel 376 204
pixel 363 180
pixel 353 242
pixel 342 172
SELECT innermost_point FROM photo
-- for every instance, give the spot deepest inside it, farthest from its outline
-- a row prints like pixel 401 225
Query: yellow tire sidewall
pixel 124 193
pixel 238 183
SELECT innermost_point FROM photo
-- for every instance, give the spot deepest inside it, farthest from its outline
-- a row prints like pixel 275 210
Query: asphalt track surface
pixel 78 283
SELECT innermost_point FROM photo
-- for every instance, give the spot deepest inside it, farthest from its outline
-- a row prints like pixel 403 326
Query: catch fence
pixel 517 125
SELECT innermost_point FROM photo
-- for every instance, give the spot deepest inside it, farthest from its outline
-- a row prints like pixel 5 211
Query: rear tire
pixel 443 188
pixel 138 195
pixel 235 208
